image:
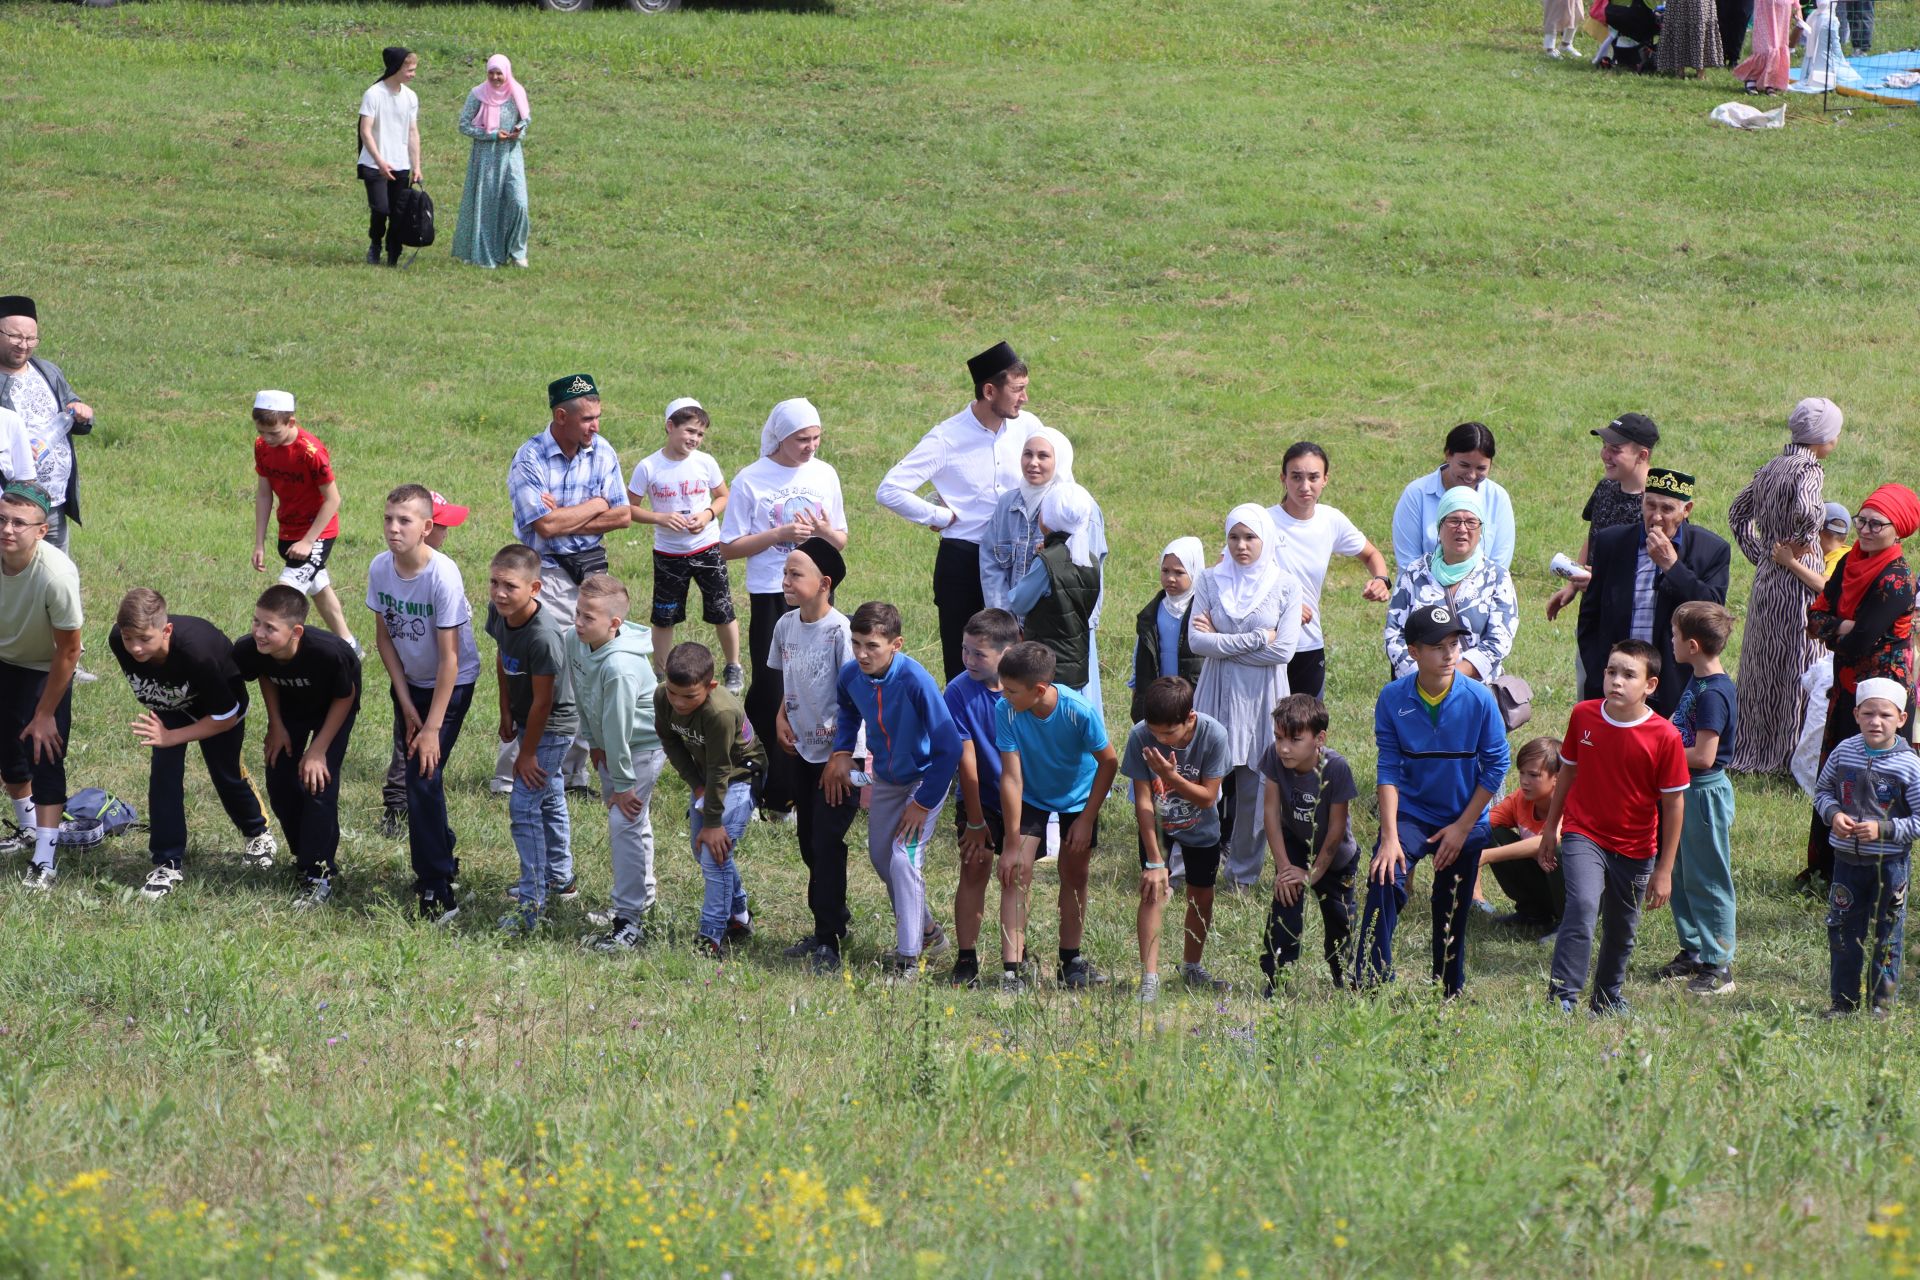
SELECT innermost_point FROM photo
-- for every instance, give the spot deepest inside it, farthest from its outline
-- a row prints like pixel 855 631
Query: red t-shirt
pixel 1624 769
pixel 296 471
pixel 1516 811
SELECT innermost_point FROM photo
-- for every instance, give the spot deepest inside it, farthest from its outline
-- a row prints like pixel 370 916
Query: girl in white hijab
pixel 1066 515
pixel 776 502
pixel 1244 622
pixel 1012 537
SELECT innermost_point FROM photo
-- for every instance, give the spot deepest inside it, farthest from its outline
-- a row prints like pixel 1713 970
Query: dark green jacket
pixel 1059 620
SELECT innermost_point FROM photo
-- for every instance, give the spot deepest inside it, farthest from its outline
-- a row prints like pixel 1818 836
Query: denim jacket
pixel 1011 543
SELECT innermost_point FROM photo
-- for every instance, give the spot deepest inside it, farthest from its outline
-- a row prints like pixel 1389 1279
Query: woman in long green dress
pixel 493 209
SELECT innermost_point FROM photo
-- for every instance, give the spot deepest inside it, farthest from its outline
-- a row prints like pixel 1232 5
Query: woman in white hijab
pixel 777 502
pixel 1244 623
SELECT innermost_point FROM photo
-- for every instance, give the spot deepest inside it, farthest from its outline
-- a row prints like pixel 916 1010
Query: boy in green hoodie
pixel 613 686
pixel 710 744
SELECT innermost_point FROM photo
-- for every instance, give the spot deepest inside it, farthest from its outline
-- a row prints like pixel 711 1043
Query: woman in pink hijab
pixel 493 208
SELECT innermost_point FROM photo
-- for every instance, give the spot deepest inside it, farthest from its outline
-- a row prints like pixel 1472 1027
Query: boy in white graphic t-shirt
pixel 680 491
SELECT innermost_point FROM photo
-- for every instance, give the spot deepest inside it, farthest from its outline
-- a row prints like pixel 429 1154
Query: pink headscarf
pixel 492 99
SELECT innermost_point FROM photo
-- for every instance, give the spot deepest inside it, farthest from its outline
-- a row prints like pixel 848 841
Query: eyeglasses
pixel 11 525
pixel 1867 524
pixel 1463 523
pixel 20 339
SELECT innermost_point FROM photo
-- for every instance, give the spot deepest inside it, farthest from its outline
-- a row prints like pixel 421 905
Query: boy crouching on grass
pixel 537 715
pixel 611 667
pixel 181 669
pixel 1177 758
pixel 1308 794
pixel 1869 797
pixel 915 750
pixel 1619 801
pixel 310 686
pixel 1055 761
pixel 1703 913
pixel 1517 820
pixel 711 746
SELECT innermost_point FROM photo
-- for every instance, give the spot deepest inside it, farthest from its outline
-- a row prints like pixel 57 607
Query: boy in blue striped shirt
pixel 1443 756
pixel 1869 798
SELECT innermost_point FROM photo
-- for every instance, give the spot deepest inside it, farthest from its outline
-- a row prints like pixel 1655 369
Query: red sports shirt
pixel 1624 770
pixel 297 470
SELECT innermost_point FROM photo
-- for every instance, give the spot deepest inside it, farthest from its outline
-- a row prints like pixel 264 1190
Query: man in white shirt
pixel 969 460
pixel 389 148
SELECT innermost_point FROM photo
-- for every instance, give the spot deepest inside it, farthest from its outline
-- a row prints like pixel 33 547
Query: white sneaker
pixel 259 851
pixel 83 676
pixel 161 881
pixel 40 877
pixel 500 786
pixel 1149 988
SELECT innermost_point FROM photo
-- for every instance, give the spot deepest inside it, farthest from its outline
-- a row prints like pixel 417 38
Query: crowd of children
pixel 1627 810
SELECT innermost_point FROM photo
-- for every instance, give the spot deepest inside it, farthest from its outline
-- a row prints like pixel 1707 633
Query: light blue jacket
pixel 1416 520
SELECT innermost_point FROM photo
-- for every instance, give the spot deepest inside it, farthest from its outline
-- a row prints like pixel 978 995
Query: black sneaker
pixel 1078 974
pixel 706 948
pixel 436 910
pixel 1196 978
pixel 621 935
pixel 823 961
pixel 1810 883
pixel 965 975
pixel 1711 980
pixel 393 823
pixel 1836 1012
pixel 373 255
pixel 315 892
pixel 739 933
pixel 1681 966
pixel 801 949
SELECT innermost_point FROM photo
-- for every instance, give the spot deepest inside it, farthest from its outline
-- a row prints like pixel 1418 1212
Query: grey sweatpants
pixel 631 839
pixel 1608 886
pixel 901 864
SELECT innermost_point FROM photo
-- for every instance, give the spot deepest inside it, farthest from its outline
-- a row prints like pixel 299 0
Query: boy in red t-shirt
pixel 294 467
pixel 1618 802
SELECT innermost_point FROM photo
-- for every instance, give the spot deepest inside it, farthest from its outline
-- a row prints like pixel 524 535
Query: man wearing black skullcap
pixel 49 412
pixel 389 147
pixel 969 460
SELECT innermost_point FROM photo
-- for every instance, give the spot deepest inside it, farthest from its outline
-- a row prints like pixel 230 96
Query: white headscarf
pixel 787 417
pixel 1068 508
pixel 1031 494
pixel 1192 555
pixel 1242 587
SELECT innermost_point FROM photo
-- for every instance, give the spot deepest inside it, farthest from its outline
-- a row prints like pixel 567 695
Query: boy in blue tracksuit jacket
pixel 915 750
pixel 1443 757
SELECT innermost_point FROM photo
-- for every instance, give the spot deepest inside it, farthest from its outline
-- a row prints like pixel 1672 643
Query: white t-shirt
pixel 766 495
pixel 393 115
pixel 681 488
pixel 1306 548
pixel 16 449
pixel 415 610
pixel 809 655
pixel 47 428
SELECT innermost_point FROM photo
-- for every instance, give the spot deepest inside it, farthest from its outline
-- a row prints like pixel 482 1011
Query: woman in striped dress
pixel 1783 504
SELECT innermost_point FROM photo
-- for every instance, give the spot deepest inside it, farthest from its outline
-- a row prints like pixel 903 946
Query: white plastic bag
pixel 1815 681
pixel 1739 115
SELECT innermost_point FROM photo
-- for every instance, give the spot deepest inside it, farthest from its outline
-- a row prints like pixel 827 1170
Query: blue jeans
pixel 1452 900
pixel 1864 893
pixel 541 830
pixel 725 897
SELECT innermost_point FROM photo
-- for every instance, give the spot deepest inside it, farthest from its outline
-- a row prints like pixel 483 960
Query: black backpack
pixel 413 210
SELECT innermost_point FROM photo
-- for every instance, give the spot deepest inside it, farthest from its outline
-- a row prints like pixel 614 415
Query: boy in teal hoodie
pixel 613 682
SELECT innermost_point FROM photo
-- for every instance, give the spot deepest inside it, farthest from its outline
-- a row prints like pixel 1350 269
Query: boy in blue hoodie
pixel 1868 797
pixel 1443 756
pixel 915 750
pixel 613 684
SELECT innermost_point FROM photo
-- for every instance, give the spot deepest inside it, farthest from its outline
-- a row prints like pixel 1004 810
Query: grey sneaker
pixel 83 676
pixel 161 881
pixel 259 851
pixel 315 892
pixel 40 877
pixel 1078 974
pixel 934 942
pixel 1196 978
pixel 621 935
pixel 1710 980
pixel 1011 983
pixel 393 823
pixel 801 949
pixel 18 839
pixel 1149 988
pixel 733 678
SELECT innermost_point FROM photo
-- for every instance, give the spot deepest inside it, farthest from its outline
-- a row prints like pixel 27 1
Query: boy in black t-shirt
pixel 310 684
pixel 1308 792
pixel 182 672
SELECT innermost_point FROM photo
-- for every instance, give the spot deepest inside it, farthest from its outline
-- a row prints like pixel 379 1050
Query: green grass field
pixel 1213 228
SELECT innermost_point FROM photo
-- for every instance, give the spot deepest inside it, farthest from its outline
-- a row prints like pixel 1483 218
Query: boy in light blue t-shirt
pixel 1054 760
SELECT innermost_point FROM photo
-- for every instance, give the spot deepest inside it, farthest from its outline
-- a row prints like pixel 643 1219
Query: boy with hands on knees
pixel 705 733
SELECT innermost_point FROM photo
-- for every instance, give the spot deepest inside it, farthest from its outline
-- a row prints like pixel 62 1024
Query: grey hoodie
pixel 613 687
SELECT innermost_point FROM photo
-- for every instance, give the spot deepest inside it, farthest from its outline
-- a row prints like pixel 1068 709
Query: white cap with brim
pixel 684 402
pixel 1880 687
pixel 274 401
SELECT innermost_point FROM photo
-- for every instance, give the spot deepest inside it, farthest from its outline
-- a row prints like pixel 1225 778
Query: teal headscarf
pixel 1458 498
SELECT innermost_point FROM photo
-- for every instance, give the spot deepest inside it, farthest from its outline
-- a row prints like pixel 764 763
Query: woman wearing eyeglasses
pixel 1865 615
pixel 1459 575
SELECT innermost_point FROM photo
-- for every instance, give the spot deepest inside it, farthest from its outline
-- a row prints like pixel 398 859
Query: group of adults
pixel 493 224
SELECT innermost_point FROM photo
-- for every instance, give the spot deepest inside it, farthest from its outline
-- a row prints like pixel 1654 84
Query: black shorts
pixel 996 826
pixel 309 575
pixel 20 690
pixel 1203 864
pixel 1033 822
pixel 671 574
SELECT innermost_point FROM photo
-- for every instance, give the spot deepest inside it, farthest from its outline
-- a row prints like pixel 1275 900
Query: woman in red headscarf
pixel 1865 615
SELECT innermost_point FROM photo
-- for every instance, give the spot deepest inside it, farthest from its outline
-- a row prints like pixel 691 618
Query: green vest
pixel 1059 621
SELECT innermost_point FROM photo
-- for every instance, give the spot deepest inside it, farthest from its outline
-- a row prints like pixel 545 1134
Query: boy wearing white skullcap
pixel 679 490
pixel 294 467
pixel 1869 798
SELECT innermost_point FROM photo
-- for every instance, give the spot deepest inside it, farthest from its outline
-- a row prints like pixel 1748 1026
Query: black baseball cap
pixel 1630 428
pixel 1433 624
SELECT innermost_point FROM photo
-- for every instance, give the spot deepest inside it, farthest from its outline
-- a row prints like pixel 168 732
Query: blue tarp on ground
pixel 1874 70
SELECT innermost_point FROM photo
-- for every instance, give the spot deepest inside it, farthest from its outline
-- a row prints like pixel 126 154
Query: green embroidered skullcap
pixel 571 387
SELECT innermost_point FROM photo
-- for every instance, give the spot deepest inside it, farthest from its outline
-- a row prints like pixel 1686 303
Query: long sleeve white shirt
pixel 969 468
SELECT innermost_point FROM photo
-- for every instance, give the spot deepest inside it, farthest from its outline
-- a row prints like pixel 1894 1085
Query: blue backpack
pixel 93 815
